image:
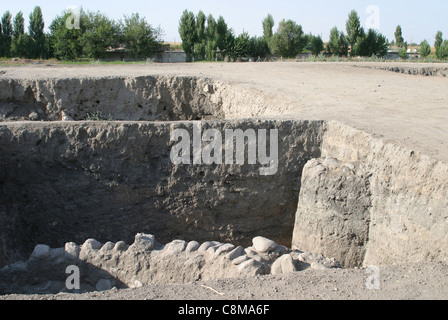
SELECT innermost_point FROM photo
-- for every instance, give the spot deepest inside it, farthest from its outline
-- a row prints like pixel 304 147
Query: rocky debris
pixel 111 265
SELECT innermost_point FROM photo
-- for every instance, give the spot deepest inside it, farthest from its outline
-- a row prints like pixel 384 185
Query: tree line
pixel 440 45
pixel 91 37
pixel 203 38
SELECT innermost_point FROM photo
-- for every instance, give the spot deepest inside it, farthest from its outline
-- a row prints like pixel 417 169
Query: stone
pixel 92 244
pixel 263 245
pixel 240 260
pixel 175 247
pixel 18 266
pixel 41 251
pixel 72 250
pixel 34 116
pixel 136 284
pixel 250 268
pixel 107 246
pixel 318 266
pixel 144 242
pixel 120 246
pixel 283 265
pixel 235 253
pixel 192 246
pixel 331 163
pixel 204 247
pixel 251 253
pixel 104 285
pixel 333 213
pixel 225 248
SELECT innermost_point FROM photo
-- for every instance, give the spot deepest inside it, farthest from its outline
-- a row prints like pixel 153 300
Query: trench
pixel 66 179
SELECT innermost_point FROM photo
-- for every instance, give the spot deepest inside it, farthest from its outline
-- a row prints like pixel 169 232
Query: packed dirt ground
pixel 422 281
pixel 409 110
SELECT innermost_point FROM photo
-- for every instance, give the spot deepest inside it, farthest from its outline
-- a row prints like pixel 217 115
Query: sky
pixel 419 20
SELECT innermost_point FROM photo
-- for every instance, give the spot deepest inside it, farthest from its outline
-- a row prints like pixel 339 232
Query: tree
pixel 211 34
pixel 66 43
pixel 36 31
pixel 188 34
pixel 438 43
pixel 139 37
pixel 376 44
pixel 230 45
pixel 201 41
pixel 360 47
pixel 353 28
pixel 20 40
pixel 242 45
pixel 221 34
pixel 99 34
pixel 316 45
pixel 425 49
pixel 258 47
pixel 268 25
pixel 289 39
pixel 6 35
pixel 338 44
pixel 443 50
pixel 403 53
pixel 399 40
pixel 371 44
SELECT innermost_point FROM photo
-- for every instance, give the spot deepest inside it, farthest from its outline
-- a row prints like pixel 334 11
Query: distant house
pixel 116 54
pixel 171 57
pixel 163 55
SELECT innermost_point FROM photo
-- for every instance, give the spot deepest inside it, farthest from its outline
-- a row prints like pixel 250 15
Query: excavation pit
pixel 337 191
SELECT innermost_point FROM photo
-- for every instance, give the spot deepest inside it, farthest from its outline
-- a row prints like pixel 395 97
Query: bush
pixel 403 53
pixel 425 49
pixel 443 50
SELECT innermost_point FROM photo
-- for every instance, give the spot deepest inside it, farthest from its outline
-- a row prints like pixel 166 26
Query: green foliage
pixel 100 33
pixel 403 53
pixel 211 34
pixel 268 25
pixel 443 50
pixel 138 36
pixel 289 39
pixel 353 28
pixel 338 44
pixel 425 49
pixel 200 45
pixel 316 45
pixel 376 44
pixel 438 43
pixel 258 47
pixel 221 33
pixel 365 45
pixel 38 48
pixel 97 33
pixel 242 45
pixel 6 35
pixel 66 43
pixel 399 40
pixel 98 116
pixel 188 34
